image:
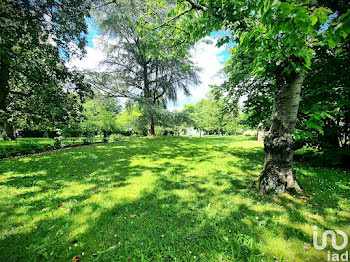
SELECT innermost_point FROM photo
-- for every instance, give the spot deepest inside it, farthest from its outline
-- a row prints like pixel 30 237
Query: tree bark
pixel 4 92
pixel 9 130
pixel 4 84
pixel 150 127
pixel 278 174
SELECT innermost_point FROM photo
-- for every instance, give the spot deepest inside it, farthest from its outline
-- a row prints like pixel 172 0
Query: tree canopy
pixel 36 40
pixel 138 65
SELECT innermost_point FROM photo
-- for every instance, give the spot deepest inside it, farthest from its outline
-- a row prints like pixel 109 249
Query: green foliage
pixel 29 147
pixel 170 123
pixel 145 65
pixel 72 130
pixel 250 133
pixel 267 27
pixel 88 139
pixel 100 115
pixel 37 38
pixel 58 142
pixel 324 122
pixel 23 147
pixel 159 131
pixel 116 137
pixel 130 121
pixel 214 116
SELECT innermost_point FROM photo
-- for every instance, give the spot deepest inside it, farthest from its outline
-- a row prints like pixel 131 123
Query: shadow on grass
pixel 145 200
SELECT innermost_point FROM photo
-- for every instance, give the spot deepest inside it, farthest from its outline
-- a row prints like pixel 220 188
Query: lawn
pixel 12 143
pixel 41 141
pixel 163 199
pixel 25 146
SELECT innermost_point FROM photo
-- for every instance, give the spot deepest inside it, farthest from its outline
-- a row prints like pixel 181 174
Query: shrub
pixel 29 147
pixel 89 139
pixel 250 133
pixel 159 131
pixel 31 133
pixel 58 143
pixel 135 135
pixel 115 137
pixel 5 152
pixel 72 130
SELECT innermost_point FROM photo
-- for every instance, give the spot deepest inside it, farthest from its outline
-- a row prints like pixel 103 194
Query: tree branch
pixel 174 18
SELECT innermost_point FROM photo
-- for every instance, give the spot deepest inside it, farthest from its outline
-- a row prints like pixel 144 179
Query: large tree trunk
pixel 4 85
pixel 150 127
pixel 9 131
pixel 4 92
pixel 278 175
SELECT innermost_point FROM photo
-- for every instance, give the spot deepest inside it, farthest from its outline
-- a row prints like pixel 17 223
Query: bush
pixel 72 130
pixel 159 131
pixel 31 133
pixel 135 135
pixel 5 152
pixel 250 133
pixel 89 139
pixel 58 143
pixel 115 137
pixel 29 147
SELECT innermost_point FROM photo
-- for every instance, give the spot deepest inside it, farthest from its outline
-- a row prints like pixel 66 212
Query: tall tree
pixel 283 35
pixel 323 117
pixel 36 38
pixel 100 115
pixel 139 64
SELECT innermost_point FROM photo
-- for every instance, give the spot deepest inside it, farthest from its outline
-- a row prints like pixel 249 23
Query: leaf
pixel 328 115
pixel 192 183
pixel 132 216
pixel 313 19
pixel 331 43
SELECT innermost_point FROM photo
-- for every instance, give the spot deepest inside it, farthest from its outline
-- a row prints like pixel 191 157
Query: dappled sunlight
pixel 175 194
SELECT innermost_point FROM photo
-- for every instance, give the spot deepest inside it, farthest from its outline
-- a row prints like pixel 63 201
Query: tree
pixel 241 82
pixel 131 121
pixel 212 116
pixel 283 35
pixel 36 38
pixel 100 115
pixel 141 66
pixel 323 115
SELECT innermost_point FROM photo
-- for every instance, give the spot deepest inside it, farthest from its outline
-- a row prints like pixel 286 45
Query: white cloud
pixel 92 58
pixel 208 58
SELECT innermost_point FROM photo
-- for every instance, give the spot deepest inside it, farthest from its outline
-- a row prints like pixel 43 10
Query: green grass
pixel 11 143
pixel 163 199
pixel 25 146
pixel 41 141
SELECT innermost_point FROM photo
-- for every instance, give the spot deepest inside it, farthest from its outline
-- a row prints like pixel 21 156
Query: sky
pixel 208 57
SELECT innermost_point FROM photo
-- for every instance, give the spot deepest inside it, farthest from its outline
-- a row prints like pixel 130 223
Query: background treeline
pixel 102 115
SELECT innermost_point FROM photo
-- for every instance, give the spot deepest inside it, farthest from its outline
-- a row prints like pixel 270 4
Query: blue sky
pixel 93 31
